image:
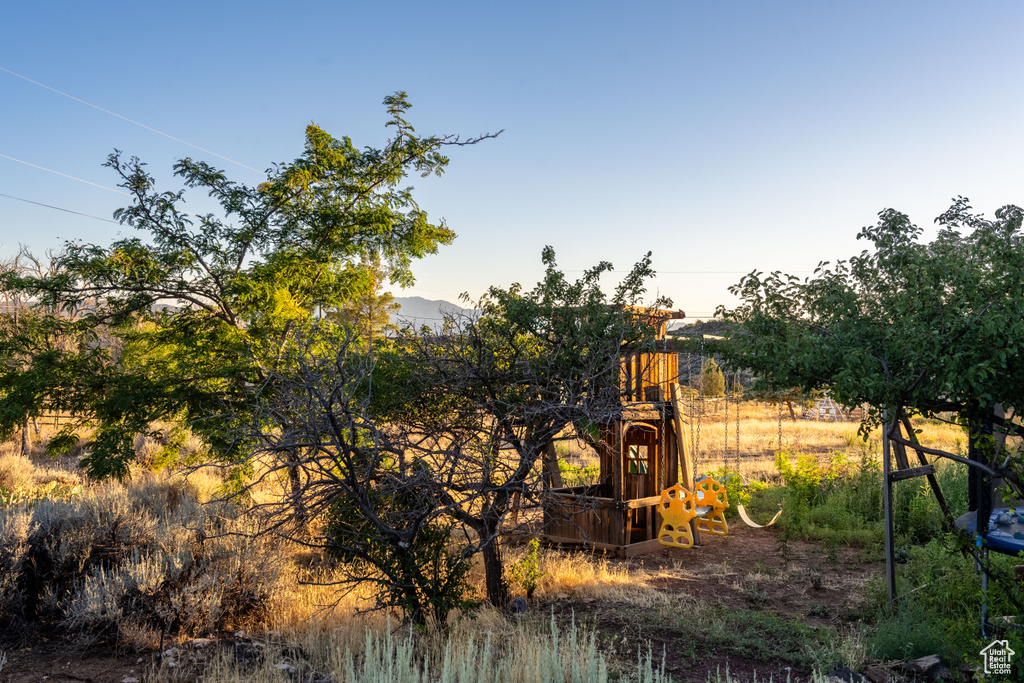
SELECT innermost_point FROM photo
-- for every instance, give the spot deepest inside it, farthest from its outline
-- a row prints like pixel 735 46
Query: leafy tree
pixel 204 305
pixel 27 331
pixel 421 440
pixel 496 391
pixel 916 328
pixel 378 506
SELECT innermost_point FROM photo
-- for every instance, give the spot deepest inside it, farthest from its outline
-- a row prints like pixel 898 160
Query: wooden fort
pixel 640 454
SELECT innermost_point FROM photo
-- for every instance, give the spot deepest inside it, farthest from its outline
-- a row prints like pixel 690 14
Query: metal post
pixel 984 592
pixel 890 547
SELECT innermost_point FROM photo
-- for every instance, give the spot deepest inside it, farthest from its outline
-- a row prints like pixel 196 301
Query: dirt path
pixel 741 576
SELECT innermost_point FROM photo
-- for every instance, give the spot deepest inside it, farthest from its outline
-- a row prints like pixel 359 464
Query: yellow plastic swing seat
pixel 710 493
pixel 677 508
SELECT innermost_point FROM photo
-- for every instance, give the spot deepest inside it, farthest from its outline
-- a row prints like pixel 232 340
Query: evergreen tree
pixel 369 313
pixel 712 381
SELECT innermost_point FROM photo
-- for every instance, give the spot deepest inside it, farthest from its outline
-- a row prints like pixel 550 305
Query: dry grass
pixel 311 615
pixel 585 576
pixel 19 473
pixel 759 428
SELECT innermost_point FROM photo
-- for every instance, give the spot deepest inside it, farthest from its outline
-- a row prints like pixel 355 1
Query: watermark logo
pixel 997 657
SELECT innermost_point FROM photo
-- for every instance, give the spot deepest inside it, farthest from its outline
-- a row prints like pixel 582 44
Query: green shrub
pixel 578 475
pixel 414 567
pixel 526 572
pixel 939 608
pixel 910 632
pixel 837 501
pixel 840 501
pixel 738 490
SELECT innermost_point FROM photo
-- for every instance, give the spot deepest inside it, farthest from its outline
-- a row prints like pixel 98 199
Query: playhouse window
pixel 637 459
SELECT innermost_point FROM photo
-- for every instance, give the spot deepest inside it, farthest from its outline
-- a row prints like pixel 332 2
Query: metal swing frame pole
pixel 984 592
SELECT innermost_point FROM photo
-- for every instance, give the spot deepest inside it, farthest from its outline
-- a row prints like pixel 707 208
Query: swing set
pixel 648 494
pixel 687 511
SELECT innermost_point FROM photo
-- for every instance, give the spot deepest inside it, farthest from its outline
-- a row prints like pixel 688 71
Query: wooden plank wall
pixel 583 519
pixel 647 376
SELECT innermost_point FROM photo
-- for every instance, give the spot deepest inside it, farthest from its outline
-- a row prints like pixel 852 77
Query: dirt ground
pixel 742 571
pixel 57 662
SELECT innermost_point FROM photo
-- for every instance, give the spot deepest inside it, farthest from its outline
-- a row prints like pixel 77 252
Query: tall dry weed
pixel 123 562
pixel 16 471
pixel 521 652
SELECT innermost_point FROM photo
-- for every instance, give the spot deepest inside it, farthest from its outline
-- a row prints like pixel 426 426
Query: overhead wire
pixel 65 175
pixel 87 182
pixel 58 208
pixel 131 121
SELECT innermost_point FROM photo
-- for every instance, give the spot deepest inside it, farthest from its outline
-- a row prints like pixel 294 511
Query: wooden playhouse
pixel 640 453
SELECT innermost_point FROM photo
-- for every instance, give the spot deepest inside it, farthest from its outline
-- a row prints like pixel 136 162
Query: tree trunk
pixel 979 485
pixel 487 527
pixel 301 515
pixel 26 439
pixel 296 486
pixel 494 574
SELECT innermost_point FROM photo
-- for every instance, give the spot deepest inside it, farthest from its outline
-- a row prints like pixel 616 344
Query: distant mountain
pixel 417 311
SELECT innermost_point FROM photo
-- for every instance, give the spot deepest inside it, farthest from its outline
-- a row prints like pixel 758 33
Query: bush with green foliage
pixel 738 490
pixel 422 573
pixel 838 502
pixel 940 608
pixel 526 572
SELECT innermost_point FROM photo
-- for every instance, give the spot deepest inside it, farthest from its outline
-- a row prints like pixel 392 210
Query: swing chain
pixel 780 422
pixel 739 398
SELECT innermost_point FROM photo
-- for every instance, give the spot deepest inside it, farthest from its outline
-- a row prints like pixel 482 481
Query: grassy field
pixel 148 579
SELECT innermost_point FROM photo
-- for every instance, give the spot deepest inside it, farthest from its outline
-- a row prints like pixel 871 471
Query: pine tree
pixel 712 381
pixel 369 314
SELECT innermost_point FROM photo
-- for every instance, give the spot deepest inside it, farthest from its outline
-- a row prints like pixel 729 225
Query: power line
pixel 51 206
pixel 50 170
pixel 125 118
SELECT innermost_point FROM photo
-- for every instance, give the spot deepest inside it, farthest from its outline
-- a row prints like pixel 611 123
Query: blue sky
pixel 721 136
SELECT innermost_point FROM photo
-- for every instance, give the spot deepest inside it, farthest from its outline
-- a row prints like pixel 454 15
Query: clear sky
pixel 722 136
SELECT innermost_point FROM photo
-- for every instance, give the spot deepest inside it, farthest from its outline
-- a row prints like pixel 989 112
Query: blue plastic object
pixel 1003 538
